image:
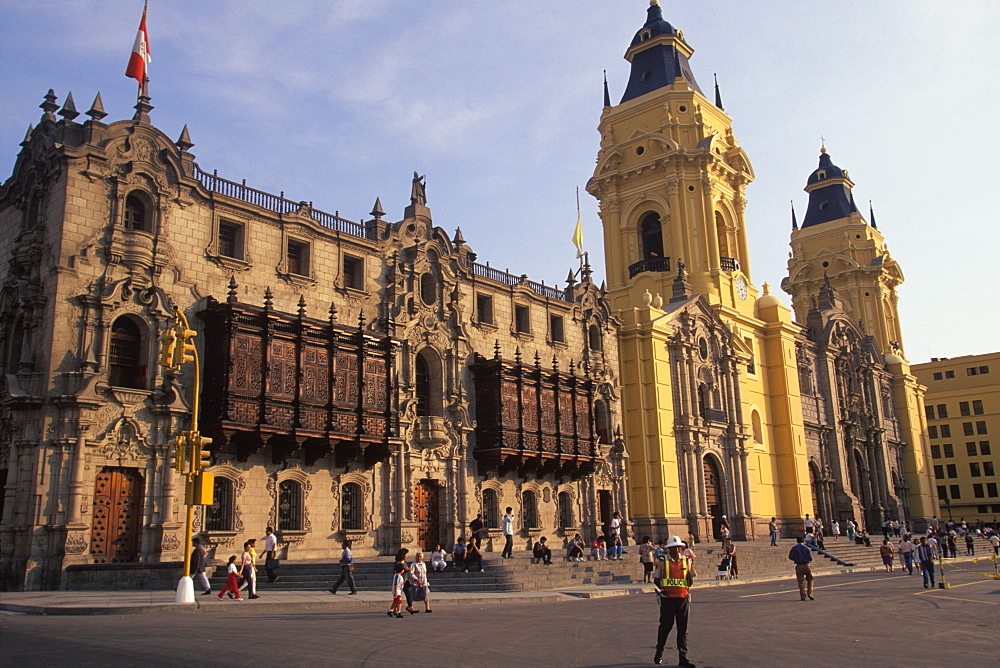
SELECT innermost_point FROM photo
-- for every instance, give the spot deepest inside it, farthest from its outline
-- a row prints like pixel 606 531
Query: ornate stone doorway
pixel 117 516
pixel 713 494
pixel 426 506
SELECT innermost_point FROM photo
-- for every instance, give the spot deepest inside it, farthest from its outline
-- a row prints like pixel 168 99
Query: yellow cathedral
pixel 736 408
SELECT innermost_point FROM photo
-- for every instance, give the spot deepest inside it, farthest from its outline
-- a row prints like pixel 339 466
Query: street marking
pixel 961 585
pixel 963 600
pixel 795 589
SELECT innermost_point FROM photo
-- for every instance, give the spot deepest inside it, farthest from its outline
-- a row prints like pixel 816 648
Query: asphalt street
pixel 871 619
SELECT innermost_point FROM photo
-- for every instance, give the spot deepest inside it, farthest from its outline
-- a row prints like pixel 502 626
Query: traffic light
pixel 168 341
pixel 184 350
pixel 201 491
pixel 201 456
pixel 178 456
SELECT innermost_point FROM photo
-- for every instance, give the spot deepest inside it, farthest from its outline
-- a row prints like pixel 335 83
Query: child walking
pixel 395 610
pixel 232 581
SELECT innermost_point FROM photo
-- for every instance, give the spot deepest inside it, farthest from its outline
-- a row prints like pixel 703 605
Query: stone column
pixel 75 489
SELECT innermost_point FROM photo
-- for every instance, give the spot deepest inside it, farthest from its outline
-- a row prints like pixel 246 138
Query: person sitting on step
pixel 542 552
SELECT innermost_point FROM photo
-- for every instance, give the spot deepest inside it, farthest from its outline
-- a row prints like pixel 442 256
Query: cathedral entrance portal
pixel 713 495
pixel 426 506
pixel 114 535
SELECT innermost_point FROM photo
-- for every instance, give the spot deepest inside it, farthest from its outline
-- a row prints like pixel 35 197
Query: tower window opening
pixel 645 76
pixel 125 355
pixel 135 214
pixel 652 237
pixel 824 206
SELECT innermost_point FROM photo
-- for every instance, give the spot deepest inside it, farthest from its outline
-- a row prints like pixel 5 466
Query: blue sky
pixel 339 101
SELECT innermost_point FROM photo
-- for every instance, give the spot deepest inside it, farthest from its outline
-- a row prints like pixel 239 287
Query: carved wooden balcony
pixel 534 420
pixel 300 386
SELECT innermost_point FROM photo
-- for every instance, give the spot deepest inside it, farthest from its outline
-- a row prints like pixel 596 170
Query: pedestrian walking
pixel 420 589
pixel 346 570
pixel 970 544
pixel 995 544
pixel 615 531
pixel 507 525
pixel 248 565
pixel 406 589
pixel 925 555
pixel 906 550
pixel 673 578
pixel 232 580
pixel 802 557
pixel 772 529
pixel 476 527
pixel 730 551
pixel 646 551
pixel 271 562
pixel 952 545
pixel 810 524
pixel 396 608
pixel 886 552
pixel 198 566
pixel 835 529
pixel 851 527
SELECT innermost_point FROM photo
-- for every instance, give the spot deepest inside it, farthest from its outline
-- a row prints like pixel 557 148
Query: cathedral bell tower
pixel 709 385
pixel 670 178
pixel 836 243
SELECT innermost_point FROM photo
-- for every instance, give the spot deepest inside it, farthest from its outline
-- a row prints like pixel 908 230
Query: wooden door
pixel 117 516
pixel 713 494
pixel 427 515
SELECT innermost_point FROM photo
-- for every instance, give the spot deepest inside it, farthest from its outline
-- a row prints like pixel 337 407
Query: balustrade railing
pixel 277 203
pixel 493 274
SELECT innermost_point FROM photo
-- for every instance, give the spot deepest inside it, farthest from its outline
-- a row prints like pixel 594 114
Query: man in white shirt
pixel 508 534
pixel 615 549
pixel 346 570
pixel 271 555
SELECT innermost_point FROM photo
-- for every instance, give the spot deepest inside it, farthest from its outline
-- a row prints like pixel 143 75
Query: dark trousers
pixel 247 579
pixel 508 548
pixel 927 568
pixel 346 575
pixel 474 562
pixel 671 609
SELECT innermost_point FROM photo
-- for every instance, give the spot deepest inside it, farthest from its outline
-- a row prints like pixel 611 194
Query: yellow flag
pixel 578 237
pixel 578 232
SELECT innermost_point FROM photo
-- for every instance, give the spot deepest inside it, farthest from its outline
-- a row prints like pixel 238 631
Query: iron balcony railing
pixel 276 203
pixel 660 264
pixel 729 264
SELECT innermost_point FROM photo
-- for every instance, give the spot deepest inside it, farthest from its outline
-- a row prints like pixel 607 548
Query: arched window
pixel 491 508
pixel 652 237
pixel 722 235
pixel 603 418
pixel 289 506
pixel 427 377
pixel 15 343
pixel 566 510
pixel 125 355
pixel 352 505
pixel 136 214
pixel 758 431
pixel 529 503
pixel 423 387
pixel 594 338
pixel 219 515
pixel 33 216
pixel 428 288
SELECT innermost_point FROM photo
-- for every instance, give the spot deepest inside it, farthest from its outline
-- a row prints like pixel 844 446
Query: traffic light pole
pixel 194 446
pixel 189 456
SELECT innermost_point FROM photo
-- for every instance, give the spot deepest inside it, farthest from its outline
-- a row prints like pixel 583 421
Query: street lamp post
pixel 189 456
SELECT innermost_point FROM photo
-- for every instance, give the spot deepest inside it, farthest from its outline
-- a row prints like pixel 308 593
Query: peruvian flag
pixel 140 53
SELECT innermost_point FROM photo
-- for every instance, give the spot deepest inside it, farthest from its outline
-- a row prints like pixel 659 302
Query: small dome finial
pixel 654 2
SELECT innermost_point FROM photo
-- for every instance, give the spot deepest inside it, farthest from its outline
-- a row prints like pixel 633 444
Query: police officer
pixel 673 577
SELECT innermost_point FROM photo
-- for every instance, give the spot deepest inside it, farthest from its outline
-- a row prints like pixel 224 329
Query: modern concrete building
pixel 962 405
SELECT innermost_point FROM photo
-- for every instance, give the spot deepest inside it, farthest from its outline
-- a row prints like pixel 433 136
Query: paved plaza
pixel 862 618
